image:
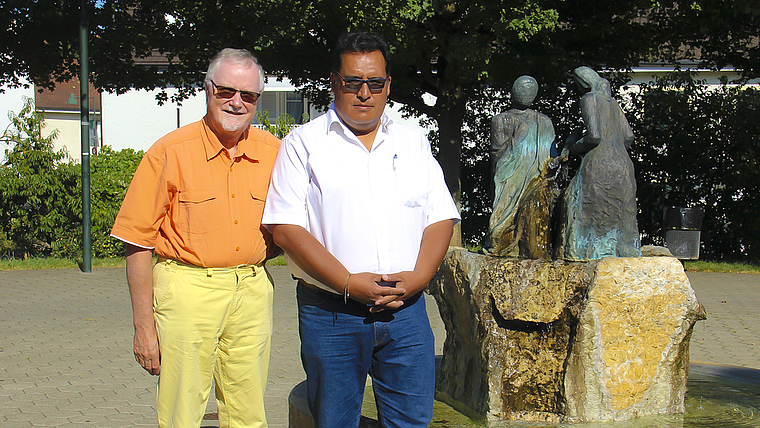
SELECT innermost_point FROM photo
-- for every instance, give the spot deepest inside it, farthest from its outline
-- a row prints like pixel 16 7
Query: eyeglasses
pixel 354 84
pixel 227 93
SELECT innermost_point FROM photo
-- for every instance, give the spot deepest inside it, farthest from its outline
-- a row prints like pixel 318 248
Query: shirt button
pixel 233 195
pixel 236 222
pixel 237 248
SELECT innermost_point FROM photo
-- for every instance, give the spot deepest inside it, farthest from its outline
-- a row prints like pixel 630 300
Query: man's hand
pixel 140 280
pixel 435 243
pixel 364 288
pixel 313 258
pixel 411 281
pixel 146 349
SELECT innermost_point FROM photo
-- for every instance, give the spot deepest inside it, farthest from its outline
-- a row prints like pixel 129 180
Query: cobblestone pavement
pixel 66 359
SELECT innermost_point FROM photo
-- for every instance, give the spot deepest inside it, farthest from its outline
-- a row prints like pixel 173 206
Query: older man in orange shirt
pixel 205 308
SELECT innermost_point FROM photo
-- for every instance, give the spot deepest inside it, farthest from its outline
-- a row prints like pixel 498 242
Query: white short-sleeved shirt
pixel 368 208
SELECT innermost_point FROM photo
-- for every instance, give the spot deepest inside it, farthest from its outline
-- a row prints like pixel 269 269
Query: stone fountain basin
pixel 717 396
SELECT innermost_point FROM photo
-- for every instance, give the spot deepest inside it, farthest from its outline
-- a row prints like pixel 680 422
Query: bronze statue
pixel 521 141
pixel 599 206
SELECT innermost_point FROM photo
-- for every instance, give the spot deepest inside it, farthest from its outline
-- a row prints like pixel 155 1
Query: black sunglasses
pixel 227 93
pixel 354 84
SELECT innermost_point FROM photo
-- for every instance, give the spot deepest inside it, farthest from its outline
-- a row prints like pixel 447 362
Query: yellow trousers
pixel 212 322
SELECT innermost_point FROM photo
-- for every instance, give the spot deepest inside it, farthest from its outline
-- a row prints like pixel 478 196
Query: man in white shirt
pixel 362 211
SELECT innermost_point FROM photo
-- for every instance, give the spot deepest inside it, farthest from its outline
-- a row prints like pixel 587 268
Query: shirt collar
pixel 246 148
pixel 335 123
pixel 213 146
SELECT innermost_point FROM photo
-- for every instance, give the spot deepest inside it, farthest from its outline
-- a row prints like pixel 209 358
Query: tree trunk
pixel 450 151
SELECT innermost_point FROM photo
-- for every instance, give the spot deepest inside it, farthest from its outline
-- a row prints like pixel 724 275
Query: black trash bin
pixel 683 229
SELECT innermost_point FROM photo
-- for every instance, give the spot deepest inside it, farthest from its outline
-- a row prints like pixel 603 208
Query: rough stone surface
pixel 526 338
pixel 631 354
pixel 655 251
pixel 509 327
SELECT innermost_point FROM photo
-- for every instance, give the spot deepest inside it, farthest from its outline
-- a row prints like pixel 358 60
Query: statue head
pixel 589 81
pixel 524 91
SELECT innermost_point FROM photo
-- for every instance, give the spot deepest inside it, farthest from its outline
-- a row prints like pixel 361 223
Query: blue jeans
pixel 342 343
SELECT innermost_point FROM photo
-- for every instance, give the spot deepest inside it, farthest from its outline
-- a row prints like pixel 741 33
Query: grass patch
pixel 720 267
pixel 277 261
pixel 33 263
pixel 56 263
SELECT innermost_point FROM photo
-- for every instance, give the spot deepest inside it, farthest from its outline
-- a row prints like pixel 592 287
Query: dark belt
pixel 319 290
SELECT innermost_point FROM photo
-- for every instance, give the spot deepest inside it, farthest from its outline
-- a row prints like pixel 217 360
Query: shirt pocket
pixel 258 197
pixel 197 211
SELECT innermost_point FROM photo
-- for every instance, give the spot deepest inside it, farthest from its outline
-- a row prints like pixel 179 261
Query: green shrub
pixel 111 174
pixel 6 245
pixel 40 193
pixel 36 199
pixel 284 124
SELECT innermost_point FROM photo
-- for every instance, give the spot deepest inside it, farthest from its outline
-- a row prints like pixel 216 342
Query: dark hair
pixel 363 42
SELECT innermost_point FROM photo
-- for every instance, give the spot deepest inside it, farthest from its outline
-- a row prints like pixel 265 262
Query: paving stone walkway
pixel 66 359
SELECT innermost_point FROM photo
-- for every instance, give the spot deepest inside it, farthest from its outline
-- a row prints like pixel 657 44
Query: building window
pixel 268 103
pixel 295 106
pixel 276 104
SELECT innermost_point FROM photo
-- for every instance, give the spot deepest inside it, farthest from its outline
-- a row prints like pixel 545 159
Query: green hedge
pixel 700 147
pixel 110 175
pixel 695 145
pixel 40 191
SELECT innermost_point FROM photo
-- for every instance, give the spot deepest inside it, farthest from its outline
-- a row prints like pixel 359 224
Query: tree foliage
pixel 440 45
pixel 445 48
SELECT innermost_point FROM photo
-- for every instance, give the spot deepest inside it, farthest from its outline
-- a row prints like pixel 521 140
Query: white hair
pixel 236 56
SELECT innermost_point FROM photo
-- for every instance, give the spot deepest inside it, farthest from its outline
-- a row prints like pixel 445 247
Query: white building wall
pixel 69 132
pixel 12 100
pixel 648 73
pixel 135 120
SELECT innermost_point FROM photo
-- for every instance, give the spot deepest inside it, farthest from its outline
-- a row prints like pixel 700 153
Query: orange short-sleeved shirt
pixel 190 202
